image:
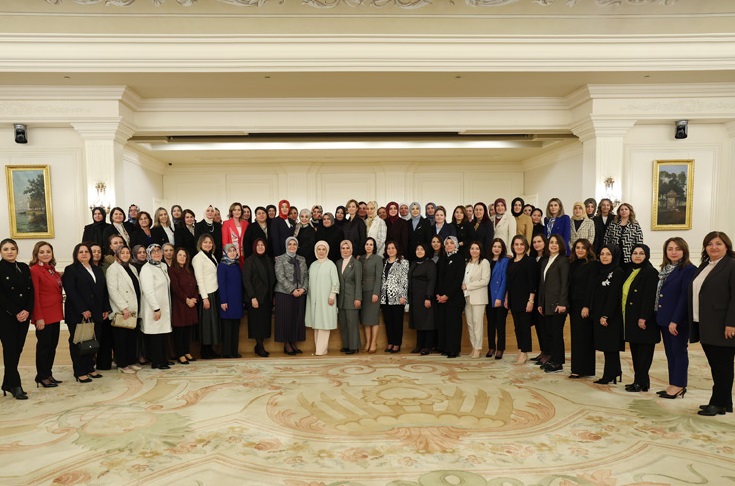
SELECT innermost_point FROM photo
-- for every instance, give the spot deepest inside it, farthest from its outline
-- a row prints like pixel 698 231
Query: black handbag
pixel 84 338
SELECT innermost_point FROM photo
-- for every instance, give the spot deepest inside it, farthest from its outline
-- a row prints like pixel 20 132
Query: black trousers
pixel 612 365
pixel 182 338
pixel 46 342
pixel 425 339
pixel 522 322
pixel 82 364
pixel 156 345
pixel 126 346
pixel 554 325
pixel 230 336
pixel 393 318
pixel 496 319
pixel 13 336
pixel 583 344
pixel 449 325
pixel 537 322
pixel 642 355
pixel 103 333
pixel 721 360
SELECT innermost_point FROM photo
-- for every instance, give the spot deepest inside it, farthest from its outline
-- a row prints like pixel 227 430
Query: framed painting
pixel 673 182
pixel 29 201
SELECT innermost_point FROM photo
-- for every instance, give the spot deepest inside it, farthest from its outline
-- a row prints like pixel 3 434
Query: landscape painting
pixel 673 181
pixel 29 201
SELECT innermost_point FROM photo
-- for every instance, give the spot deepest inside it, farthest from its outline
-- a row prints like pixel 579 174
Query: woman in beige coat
pixel 474 286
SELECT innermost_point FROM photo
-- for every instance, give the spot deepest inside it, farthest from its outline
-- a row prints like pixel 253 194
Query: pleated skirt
pixel 210 329
pixel 290 318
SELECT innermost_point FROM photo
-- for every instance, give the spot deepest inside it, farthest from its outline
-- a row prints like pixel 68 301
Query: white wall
pixel 61 150
pixel 555 174
pixel 141 184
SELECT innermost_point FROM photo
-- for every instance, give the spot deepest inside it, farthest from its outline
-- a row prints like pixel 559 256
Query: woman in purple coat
pixel 184 298
pixel 229 279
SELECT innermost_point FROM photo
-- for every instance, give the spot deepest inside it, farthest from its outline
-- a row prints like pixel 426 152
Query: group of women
pixel 167 273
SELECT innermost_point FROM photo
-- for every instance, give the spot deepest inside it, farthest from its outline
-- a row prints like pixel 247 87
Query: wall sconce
pixel 610 192
pixel 101 199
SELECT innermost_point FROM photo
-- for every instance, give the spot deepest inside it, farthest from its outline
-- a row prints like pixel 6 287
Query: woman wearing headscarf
pixel 404 211
pixel 183 303
pixel 281 228
pixel 372 266
pixel 328 232
pixel 306 234
pixel 590 206
pixel 483 227
pixel 712 318
pixel 155 305
pixel 259 279
pixel 464 230
pixel 48 310
pixel 139 257
pixel 504 223
pixel 349 300
pixel 639 297
pixel 422 309
pixel 393 295
pixel 95 232
pixel 624 232
pixel 86 298
pixel 474 285
pixel 429 210
pixel 258 229
pixel 16 305
pixel 524 225
pixel 582 275
pixel 185 232
pixel 123 286
pixel 497 306
pixel 234 228
pixel 339 216
pixel 397 228
pixel 556 222
pixel 292 282
pixel 354 228
pixel 419 230
pixel 450 299
pixel 553 300
pixel 522 287
pixel 321 301
pixel 118 225
pixel 205 271
pixel 229 281
pixel 582 227
pixel 208 226
pixel 376 227
pixel 607 313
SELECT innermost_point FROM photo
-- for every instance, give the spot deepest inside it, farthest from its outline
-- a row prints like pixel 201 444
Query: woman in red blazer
pixel 233 230
pixel 47 311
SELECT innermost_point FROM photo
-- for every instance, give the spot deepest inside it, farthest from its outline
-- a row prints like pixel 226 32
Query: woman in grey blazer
pixel 372 266
pixel 712 318
pixel 349 299
pixel 292 281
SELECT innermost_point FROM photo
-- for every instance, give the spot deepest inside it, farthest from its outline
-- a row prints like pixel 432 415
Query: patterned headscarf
pixel 226 259
pixel 149 251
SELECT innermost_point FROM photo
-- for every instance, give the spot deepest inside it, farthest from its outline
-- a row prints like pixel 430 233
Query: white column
pixel 603 155
pixel 103 156
pixel 723 218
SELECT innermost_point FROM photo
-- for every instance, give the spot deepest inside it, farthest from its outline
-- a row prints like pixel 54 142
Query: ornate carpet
pixel 364 420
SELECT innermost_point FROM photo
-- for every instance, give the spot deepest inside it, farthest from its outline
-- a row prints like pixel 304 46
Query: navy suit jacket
pixel 672 299
pixel 83 293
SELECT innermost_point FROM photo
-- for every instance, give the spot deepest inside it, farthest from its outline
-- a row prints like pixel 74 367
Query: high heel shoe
pixel 97 375
pixel 17 393
pixel 190 358
pixel 606 381
pixel 47 383
pixel 54 380
pixel 83 380
pixel 499 354
pixel 290 352
pixel 490 353
pixel 679 394
pixel 396 349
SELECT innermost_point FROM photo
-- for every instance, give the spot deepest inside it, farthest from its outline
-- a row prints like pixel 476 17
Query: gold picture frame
pixel 673 194
pixel 29 201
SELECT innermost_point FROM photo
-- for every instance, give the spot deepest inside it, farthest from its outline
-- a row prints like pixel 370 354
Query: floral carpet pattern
pixel 399 420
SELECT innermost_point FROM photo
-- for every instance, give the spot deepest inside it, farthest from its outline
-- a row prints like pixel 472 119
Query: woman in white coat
pixel 204 265
pixel 474 286
pixel 321 300
pixel 155 306
pixel 376 228
pixel 504 222
pixel 123 288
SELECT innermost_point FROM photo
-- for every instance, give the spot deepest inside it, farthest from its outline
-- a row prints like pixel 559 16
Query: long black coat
pixel 421 234
pixel 184 239
pixel 95 233
pixel 449 278
pixel 254 232
pixel 485 233
pixel 333 236
pixel 307 241
pixel 639 305
pixel 84 293
pixel 465 236
pixel 582 276
pixel 606 301
pixel 355 230
pixel 398 232
pixel 421 285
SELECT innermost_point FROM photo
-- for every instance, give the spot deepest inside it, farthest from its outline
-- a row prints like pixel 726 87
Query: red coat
pixel 183 286
pixel 48 303
pixel 229 235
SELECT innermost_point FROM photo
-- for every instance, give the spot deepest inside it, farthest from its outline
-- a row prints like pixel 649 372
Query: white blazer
pixel 205 271
pixel 379 232
pixel 155 293
pixel 120 288
pixel 477 278
pixel 505 229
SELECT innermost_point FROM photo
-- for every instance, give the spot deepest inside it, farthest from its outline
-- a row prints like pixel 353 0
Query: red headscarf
pixel 280 213
pixel 392 219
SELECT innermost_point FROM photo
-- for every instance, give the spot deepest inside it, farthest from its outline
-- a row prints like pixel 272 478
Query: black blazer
pixel 355 231
pixel 522 281
pixel 419 235
pixel 215 230
pixel 600 230
pixel 449 278
pixel 639 305
pixel 485 233
pixel 16 290
pixel 184 239
pixel 280 230
pixel 158 235
pixel 553 290
pixel 84 293
pixel 581 283
pixel 138 237
pixel 95 233
pixel 465 236
pixel 111 230
pixel 447 230
pixel 716 304
pixel 254 232
pixel 259 279
pixel 607 297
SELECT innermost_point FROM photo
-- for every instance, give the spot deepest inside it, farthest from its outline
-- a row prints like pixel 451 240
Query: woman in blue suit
pixel 677 272
pixel 558 223
pixel 496 309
